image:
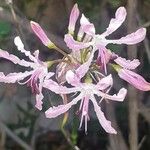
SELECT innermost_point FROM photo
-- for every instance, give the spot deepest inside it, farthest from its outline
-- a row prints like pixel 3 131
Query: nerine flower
pixel 34 78
pixel 87 91
pixel 125 73
pixel 99 41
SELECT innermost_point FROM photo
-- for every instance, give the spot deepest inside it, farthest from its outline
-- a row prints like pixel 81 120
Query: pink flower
pixel 36 76
pixel 131 77
pixel 87 91
pixel 41 34
pixel 99 41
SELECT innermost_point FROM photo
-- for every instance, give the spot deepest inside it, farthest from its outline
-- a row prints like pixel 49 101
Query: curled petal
pixel 116 22
pixel 74 45
pixel 73 18
pixel 86 26
pixel 53 112
pixel 40 34
pixel 102 120
pixel 132 38
pixel 119 97
pixel 105 82
pixel 127 64
pixel 134 79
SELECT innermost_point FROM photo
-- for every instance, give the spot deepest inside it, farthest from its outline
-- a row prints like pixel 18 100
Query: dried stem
pixel 132 92
pixel 14 137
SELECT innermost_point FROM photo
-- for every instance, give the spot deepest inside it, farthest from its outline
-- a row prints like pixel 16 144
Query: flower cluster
pixel 84 69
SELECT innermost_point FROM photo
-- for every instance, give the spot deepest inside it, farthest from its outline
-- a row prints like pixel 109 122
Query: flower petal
pixel 73 18
pixel 86 27
pixel 40 34
pixel 39 96
pixel 75 45
pixel 53 112
pixel 116 97
pixel 18 43
pixel 105 82
pixel 72 78
pixel 134 79
pixel 58 89
pixel 20 47
pixel 14 77
pixel 127 64
pixel 15 59
pixel 116 22
pixel 83 69
pixel 102 120
pixel 132 38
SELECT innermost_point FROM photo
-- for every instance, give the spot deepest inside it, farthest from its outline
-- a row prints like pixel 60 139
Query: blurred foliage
pixel 5 29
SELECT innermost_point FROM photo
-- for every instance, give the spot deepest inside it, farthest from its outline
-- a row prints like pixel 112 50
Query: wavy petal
pixel 116 97
pixel 53 112
pixel 127 64
pixel 102 120
pixel 132 38
pixel 134 79
pixel 116 22
pixel 20 47
pixel 15 59
pixel 14 77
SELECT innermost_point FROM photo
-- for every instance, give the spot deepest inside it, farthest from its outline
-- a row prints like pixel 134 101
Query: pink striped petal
pixel 127 64
pixel 75 45
pixel 116 97
pixel 116 22
pixel 4 54
pixel 40 34
pixel 132 38
pixel 134 79
pixel 14 77
pixel 101 117
pixel 53 112
pixel 73 18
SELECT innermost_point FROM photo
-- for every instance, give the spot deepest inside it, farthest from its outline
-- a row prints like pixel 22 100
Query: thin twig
pixel 141 143
pixel 14 137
